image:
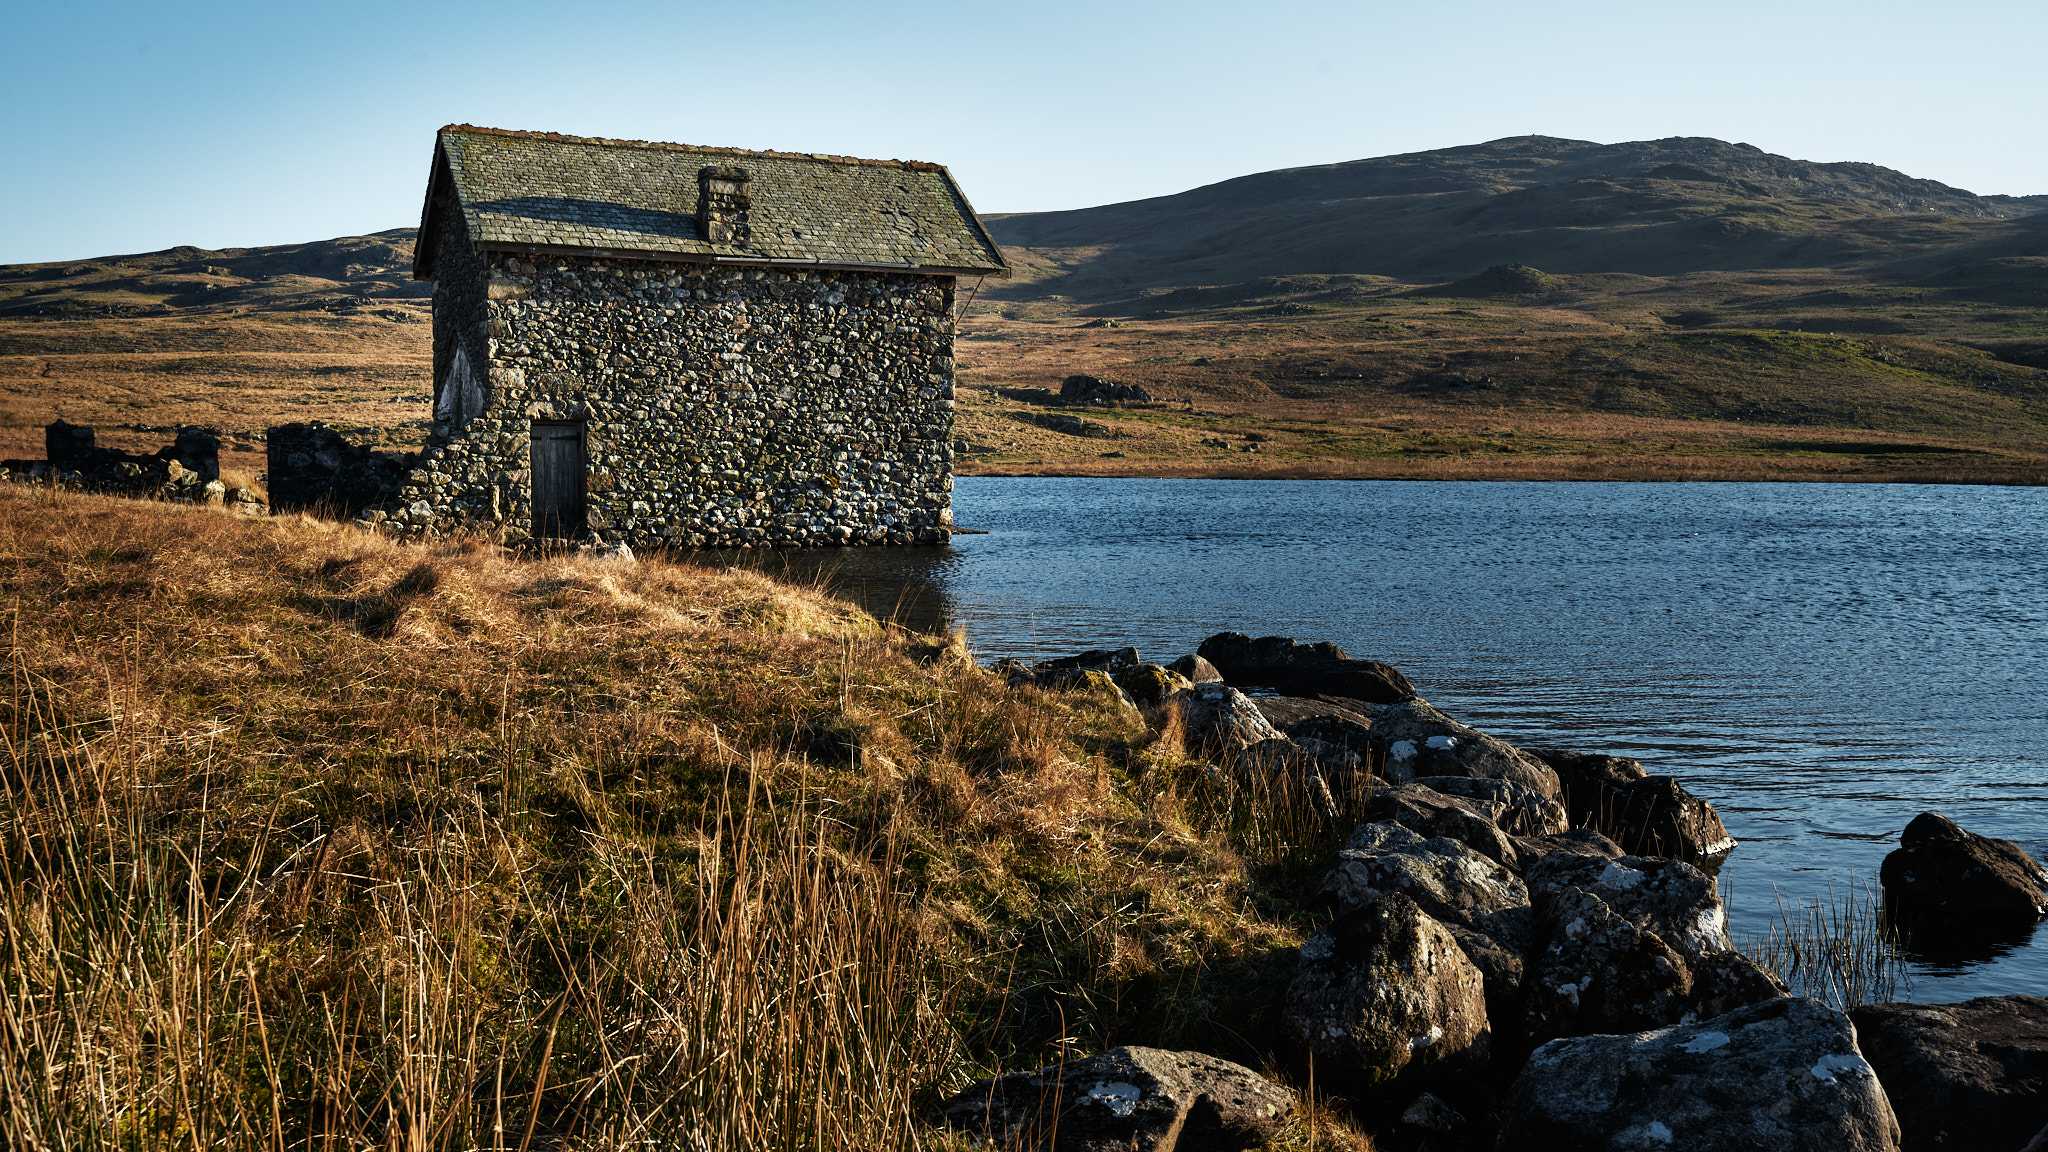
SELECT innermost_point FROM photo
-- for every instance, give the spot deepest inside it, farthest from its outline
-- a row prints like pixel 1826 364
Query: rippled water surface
pixel 1821 661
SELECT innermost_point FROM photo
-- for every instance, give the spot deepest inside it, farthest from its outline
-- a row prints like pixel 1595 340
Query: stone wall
pixel 187 469
pixel 461 324
pixel 312 467
pixel 725 407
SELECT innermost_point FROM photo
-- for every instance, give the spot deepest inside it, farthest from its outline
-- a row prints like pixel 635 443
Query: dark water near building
pixel 1821 661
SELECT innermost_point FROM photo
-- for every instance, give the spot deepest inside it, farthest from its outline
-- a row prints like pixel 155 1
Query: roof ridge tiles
pixel 666 146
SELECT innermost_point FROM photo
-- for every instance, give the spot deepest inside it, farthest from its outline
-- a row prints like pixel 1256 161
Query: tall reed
pixel 1838 949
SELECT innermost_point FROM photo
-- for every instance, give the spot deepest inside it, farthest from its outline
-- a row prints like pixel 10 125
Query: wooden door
pixel 557 479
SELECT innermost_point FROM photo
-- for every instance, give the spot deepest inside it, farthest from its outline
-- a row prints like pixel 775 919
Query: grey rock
pixel 1671 898
pixel 1725 981
pixel 1515 809
pixel 1386 996
pixel 1647 815
pixel 1447 878
pixel 1433 813
pixel 1127 1099
pixel 1418 740
pixel 1219 718
pixel 1196 669
pixel 1150 686
pixel 1961 1076
pixel 1784 1075
pixel 1599 972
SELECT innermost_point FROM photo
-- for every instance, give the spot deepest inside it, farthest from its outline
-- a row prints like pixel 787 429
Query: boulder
pixel 1417 741
pixel 1515 809
pixel 1432 813
pixel 1196 669
pixel 1586 777
pixel 1322 669
pixel 1647 815
pixel 1100 391
pixel 1150 686
pixel 1726 980
pixel 1599 972
pixel 1969 1075
pixel 1485 906
pixel 1577 842
pixel 1429 1116
pixel 1332 722
pixel 1657 816
pixel 1385 995
pixel 1447 878
pixel 1126 1100
pixel 1671 898
pixel 1067 669
pixel 1219 718
pixel 1948 880
pixel 1783 1075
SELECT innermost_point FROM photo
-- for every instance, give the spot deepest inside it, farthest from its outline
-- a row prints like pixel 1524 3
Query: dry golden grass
pixel 309 839
pixel 1600 386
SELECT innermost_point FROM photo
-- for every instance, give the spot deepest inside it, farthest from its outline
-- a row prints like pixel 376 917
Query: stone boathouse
pixel 657 344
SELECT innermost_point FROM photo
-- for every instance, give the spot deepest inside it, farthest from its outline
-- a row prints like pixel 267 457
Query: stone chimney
pixel 722 204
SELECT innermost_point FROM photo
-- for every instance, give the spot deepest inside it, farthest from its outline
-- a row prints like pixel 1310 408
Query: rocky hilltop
pixel 1654 207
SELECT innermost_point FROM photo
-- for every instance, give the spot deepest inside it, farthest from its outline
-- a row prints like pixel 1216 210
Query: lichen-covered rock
pixel 1577 842
pixel 1418 740
pixel 1658 816
pixel 1320 669
pixel 1385 995
pixel 1432 813
pixel 1671 898
pixel 1727 980
pixel 1961 1076
pixel 1150 686
pixel 1599 972
pixel 1335 733
pixel 1647 815
pixel 1784 1075
pixel 1063 669
pixel 1219 718
pixel 1126 1100
pixel 1515 809
pixel 1947 879
pixel 1447 878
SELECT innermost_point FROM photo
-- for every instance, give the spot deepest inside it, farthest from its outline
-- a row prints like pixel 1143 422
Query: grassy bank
pixel 308 839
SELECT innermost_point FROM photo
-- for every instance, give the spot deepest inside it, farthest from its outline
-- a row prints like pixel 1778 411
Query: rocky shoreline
pixel 1526 947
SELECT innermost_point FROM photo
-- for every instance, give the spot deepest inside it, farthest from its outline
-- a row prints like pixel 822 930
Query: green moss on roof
pixel 533 189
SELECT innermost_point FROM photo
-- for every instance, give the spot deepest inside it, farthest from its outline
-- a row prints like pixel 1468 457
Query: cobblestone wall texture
pixel 723 406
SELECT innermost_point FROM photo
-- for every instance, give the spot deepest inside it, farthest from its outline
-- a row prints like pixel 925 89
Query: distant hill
pixel 1658 207
pixel 347 274
pixel 1532 307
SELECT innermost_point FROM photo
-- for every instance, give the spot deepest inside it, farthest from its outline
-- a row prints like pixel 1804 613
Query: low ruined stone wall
pixel 187 469
pixel 724 407
pixel 314 468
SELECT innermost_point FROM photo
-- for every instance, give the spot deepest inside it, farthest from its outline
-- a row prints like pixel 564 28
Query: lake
pixel 1821 661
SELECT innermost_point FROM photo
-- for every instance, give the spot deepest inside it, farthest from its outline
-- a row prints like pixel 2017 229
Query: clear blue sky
pixel 130 127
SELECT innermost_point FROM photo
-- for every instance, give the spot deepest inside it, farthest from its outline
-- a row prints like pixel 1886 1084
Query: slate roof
pixel 539 190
